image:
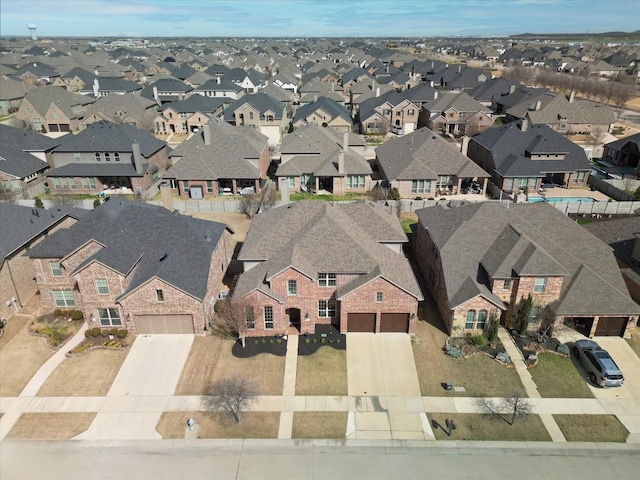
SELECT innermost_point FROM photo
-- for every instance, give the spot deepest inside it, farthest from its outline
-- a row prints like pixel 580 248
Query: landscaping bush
pixel 57 312
pixel 95 331
pixel 478 340
pixel 87 333
pixel 96 202
pixel 453 351
pixel 104 333
pixel 121 333
pixel 491 327
pixel 39 203
pixel 76 314
pixel 394 194
pixel 113 331
pixel 418 198
pixel 563 349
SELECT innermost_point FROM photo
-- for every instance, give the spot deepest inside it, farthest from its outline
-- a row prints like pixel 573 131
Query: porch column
pixel 484 186
pixel 459 190
pixel 317 184
pixel 256 186
pixel 234 186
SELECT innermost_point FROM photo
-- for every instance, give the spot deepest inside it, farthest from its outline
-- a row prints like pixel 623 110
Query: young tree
pixel 598 137
pixel 512 406
pixel 231 319
pixel 64 200
pixel 523 313
pixel 231 395
pixel 620 95
pixel 249 204
pixel 491 327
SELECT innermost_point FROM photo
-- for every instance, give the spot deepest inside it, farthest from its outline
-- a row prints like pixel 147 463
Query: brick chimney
pixel 524 125
pixel 572 96
pixel 538 105
pixel 512 88
pixel 206 131
pixel 465 145
pixel 218 79
pixel 155 95
pixel 341 162
pixel 96 87
pixel 285 197
pixel 137 157
pixel 345 141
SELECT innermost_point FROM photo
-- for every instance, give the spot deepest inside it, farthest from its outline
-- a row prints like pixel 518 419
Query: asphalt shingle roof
pixel 15 145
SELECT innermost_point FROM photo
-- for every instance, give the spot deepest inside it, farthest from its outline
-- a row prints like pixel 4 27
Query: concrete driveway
pixel 384 395
pixel 628 362
pixel 147 379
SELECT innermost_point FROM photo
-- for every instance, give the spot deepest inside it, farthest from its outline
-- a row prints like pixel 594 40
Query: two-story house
pixel 457 114
pixel 324 112
pixel 129 108
pixel 259 111
pixel 188 115
pixel 479 259
pixel 136 266
pixel 312 263
pixel 624 153
pixel 379 115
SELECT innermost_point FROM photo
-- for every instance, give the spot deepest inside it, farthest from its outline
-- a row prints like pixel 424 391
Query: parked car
pixel 397 129
pixel 600 367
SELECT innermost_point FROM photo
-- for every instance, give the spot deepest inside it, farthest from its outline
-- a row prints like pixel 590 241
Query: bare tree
pixel 249 204
pixel 620 95
pixel 508 409
pixel 231 319
pixel 64 200
pixel 232 395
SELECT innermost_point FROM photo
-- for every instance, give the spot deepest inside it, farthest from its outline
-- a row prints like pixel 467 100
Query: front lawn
pixel 557 376
pixel 475 426
pixel 296 197
pixel 323 373
pixel 210 360
pixel 634 341
pixel 592 428
pixel 319 425
pixel 210 425
pixel 50 426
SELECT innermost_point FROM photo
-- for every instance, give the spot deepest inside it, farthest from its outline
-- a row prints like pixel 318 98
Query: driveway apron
pixel 147 379
pixel 384 395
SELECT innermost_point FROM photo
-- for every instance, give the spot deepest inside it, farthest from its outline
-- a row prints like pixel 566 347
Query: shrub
pixel 121 333
pixel 503 357
pixel 38 203
pixel 271 341
pixel 323 340
pixel 218 306
pixel 279 340
pixel 307 340
pixel 76 314
pixel 563 349
pixel 95 331
pixel 96 202
pixel 84 346
pixel 491 327
pixel 315 340
pixel 478 340
pixel 113 331
pixel 264 340
pixel 338 341
pixel 57 312
pixel 418 198
pixel 453 351
pixel 54 337
pixel 87 333
pixel 104 333
pixel 394 194
pixel 430 198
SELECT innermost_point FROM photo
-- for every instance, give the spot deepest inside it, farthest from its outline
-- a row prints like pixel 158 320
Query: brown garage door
pixel 361 322
pixel 156 324
pixel 611 326
pixel 394 322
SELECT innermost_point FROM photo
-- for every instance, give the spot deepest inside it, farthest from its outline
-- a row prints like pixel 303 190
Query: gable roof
pixel 15 147
pixel 129 103
pixel 42 97
pixel 260 102
pixel 331 107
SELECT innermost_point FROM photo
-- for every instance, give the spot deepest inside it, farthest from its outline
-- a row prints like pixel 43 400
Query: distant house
pixel 323 112
pixel 134 266
pixel 457 114
pixel 379 115
pixel 167 90
pixel 624 153
pixel 129 108
pixel 259 111
pixel 220 87
pixel 35 73
pixel 219 159
pixel 11 94
pixel 524 157
pixel 53 109
pixel 106 156
pixel 22 229
pixel 480 259
pixel 322 158
pixel 297 277
pixel 251 81
pixel 188 115
pixel 103 86
pixel 23 161
pixel 424 164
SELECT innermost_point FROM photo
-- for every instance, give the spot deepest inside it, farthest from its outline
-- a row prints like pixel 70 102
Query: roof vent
pixel 207 237
pixel 433 137
pixel 164 257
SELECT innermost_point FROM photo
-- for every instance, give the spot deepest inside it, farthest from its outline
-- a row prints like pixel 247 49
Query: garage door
pixel 157 324
pixel 361 322
pixel 394 322
pixel 611 326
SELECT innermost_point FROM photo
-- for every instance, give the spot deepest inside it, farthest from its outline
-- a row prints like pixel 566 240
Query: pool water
pixel 562 199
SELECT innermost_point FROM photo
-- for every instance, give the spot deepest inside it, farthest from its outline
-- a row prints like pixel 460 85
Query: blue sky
pixel 315 17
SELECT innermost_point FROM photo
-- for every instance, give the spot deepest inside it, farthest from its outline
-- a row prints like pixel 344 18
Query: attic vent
pixel 207 237
pixel 2 159
pixel 164 257
pixel 434 137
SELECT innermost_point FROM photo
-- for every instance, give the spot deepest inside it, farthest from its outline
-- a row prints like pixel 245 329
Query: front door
pixel 294 317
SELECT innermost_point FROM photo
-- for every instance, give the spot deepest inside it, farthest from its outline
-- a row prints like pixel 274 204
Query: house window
pixel 522 183
pixel 185 186
pixel 116 156
pixel 540 285
pixel 251 319
pixel 56 183
pixel 109 317
pixel 250 115
pixel 72 183
pixel 421 186
pixel 506 285
pixel 386 111
pixel 482 319
pixel 444 180
pixel 533 315
pixel 326 308
pixel 411 111
pixel 103 286
pixel 56 269
pixel 471 320
pixel 28 110
pixel 97 157
pixel 159 295
pixel 580 177
pixel 88 183
pixel 77 157
pixel 107 157
pixel 269 118
pixel 64 298
pixel 327 280
pixel 355 181
pixel 292 287
pixel 292 182
pixel 209 186
pixel 508 184
pixel 268 317
pixel 37 124
pixel 379 297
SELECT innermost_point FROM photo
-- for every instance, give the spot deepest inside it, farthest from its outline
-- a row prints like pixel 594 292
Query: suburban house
pixel 220 87
pixel 35 74
pixel 11 94
pixel 186 116
pixel 166 90
pixel 624 153
pixel 103 86
pixel 23 161
pixel 251 81
pixel 129 108
pixel 322 158
pixel 115 158
pixel 379 115
pixel 520 156
pixel 456 113
pixel 221 159
pixel 323 112
pixel 479 259
pixel 53 109
pixel 259 111
pixel 136 266
pixel 22 229
pixel 422 164
pixel 311 263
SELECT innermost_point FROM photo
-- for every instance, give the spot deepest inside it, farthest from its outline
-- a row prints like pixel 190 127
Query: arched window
pixel 482 319
pixel 471 320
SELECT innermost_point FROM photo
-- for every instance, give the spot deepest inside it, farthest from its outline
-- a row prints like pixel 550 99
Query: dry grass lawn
pixel 238 222
pixel 319 425
pixel 592 428
pixel 480 375
pixel 558 377
pixel 474 426
pixel 88 375
pixel 210 360
pixel 323 373
pixel 20 358
pixel 634 341
pixel 253 425
pixel 50 426
pixel 13 326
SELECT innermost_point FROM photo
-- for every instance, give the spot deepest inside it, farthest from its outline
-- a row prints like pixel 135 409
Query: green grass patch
pixel 580 221
pixel 406 224
pixel 475 426
pixel 296 197
pixel 558 377
pixel 592 428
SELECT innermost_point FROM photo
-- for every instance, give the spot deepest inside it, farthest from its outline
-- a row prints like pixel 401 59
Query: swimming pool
pixel 562 199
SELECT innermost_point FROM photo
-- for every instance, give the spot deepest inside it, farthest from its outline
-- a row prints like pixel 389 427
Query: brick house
pixel 129 108
pixel 523 156
pixel 107 156
pixel 135 266
pixel 324 112
pixel 624 154
pixel 456 113
pixel 481 258
pixel 22 229
pixel 188 115
pixel 379 114
pixel 313 263
pixel 261 112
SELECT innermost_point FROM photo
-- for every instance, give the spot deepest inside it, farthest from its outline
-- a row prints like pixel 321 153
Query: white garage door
pixel 156 324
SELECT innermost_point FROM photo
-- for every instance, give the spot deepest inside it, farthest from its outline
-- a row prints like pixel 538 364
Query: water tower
pixel 32 29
